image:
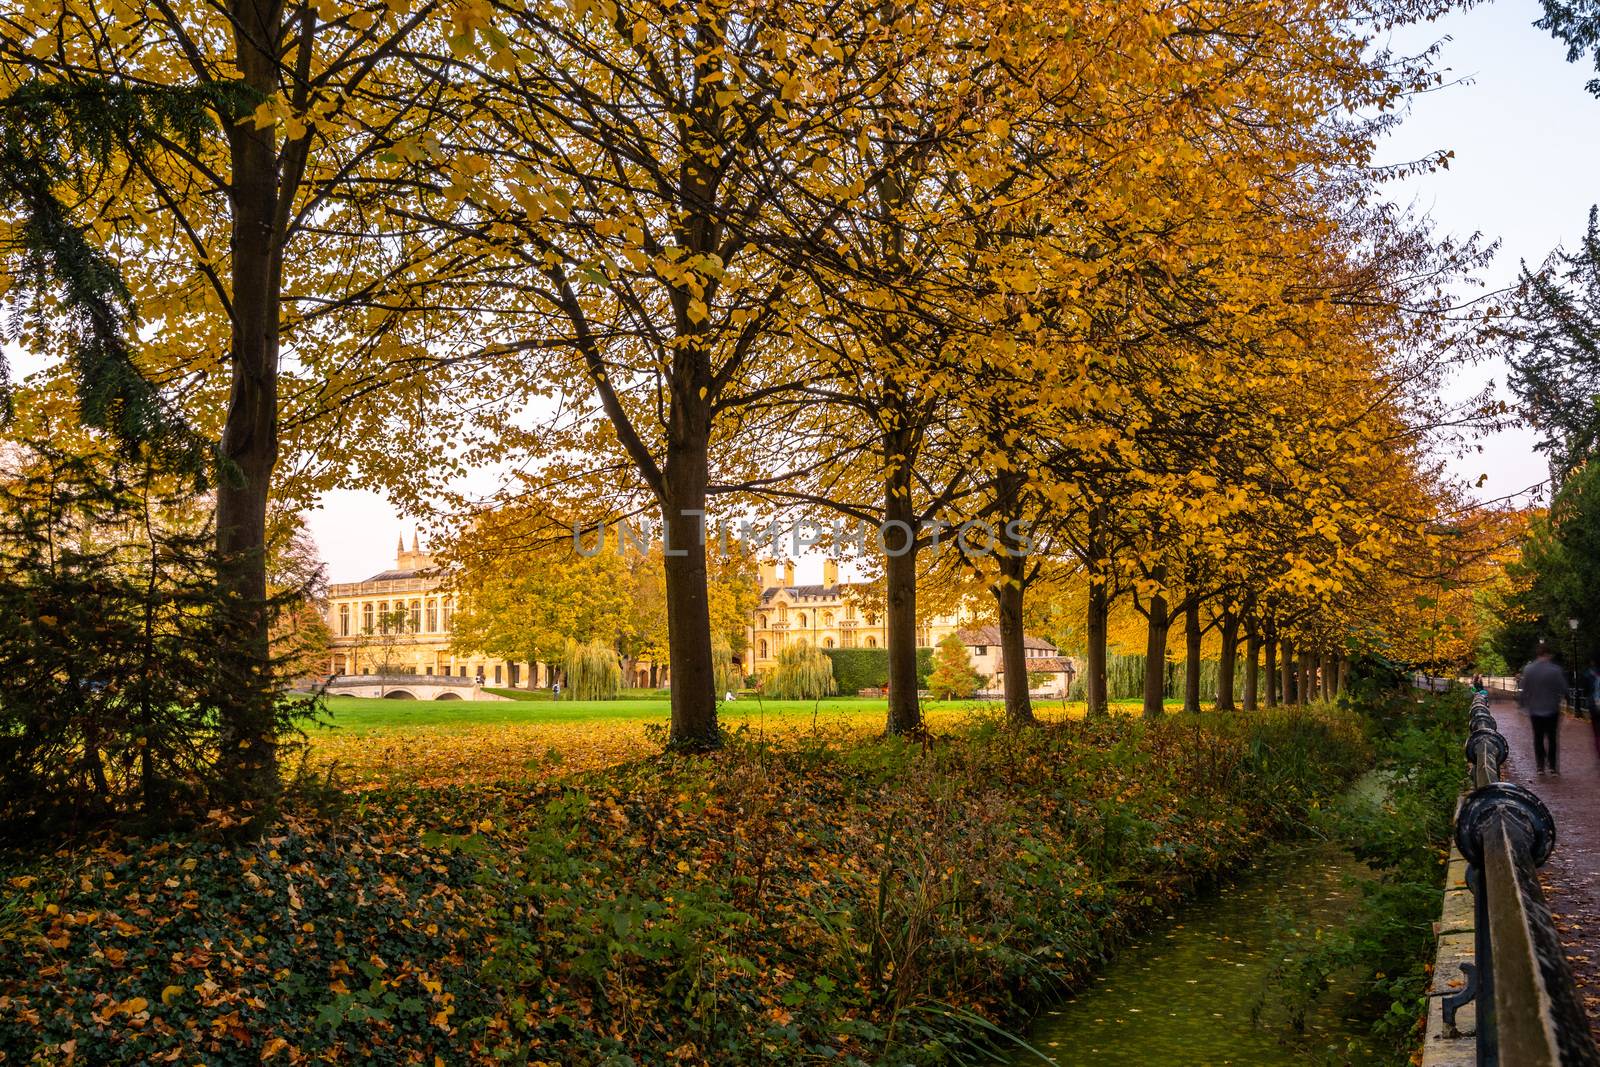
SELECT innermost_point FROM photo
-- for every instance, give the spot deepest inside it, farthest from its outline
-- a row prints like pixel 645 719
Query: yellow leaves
pixel 273 1047
pixel 170 994
pixel 696 311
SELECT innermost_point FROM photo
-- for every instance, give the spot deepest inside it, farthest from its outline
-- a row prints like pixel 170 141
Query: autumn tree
pixel 242 234
pixel 953 677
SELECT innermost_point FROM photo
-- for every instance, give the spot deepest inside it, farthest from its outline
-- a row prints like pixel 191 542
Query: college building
pixel 369 637
pixel 399 622
pixel 830 615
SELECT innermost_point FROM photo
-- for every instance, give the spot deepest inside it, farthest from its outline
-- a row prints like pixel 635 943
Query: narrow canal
pixel 1199 992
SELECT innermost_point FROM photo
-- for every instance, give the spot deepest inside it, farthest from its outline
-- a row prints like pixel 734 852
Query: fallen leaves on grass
pixel 864 901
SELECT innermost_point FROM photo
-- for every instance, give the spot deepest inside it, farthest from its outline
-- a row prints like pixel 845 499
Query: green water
pixel 1197 993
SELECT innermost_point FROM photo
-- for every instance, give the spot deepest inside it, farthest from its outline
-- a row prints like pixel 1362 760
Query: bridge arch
pixel 398 694
pixel 448 696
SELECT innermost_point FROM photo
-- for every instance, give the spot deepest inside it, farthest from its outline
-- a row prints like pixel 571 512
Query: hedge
pixel 855 669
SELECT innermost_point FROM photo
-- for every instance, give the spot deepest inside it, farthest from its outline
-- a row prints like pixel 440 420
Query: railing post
pixel 1529 1013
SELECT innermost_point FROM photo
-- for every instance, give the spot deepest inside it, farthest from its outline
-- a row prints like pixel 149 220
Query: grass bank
pixel 814 896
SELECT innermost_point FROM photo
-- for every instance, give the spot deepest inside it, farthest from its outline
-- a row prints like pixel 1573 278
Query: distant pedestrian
pixel 1544 684
pixel 1477 683
pixel 1591 679
pixel 555 690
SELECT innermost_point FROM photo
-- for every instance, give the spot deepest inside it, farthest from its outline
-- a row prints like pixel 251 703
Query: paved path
pixel 1572 877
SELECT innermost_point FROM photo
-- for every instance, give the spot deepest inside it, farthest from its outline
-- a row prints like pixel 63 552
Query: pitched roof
pixel 990 635
pixel 830 592
pixel 395 576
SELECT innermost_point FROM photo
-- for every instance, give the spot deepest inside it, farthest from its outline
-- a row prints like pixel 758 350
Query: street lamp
pixel 1572 627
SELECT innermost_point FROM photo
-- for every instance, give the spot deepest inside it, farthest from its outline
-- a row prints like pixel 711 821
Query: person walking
pixel 1591 684
pixel 1544 684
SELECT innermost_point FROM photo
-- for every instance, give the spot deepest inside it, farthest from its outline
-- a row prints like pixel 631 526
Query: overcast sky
pixel 1526 137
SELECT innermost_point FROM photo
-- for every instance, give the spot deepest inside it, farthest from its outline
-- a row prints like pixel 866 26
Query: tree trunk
pixel 900 580
pixel 1270 666
pixel 1286 670
pixel 1226 664
pixel 1095 629
pixel 1252 668
pixel 1008 594
pixel 694 697
pixel 1155 661
pixel 1191 656
pixel 1344 675
pixel 248 766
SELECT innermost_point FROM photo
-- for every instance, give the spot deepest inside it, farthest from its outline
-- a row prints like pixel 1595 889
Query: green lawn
pixel 375 716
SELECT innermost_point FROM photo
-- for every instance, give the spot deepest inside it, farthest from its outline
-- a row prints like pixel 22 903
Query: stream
pixel 1188 994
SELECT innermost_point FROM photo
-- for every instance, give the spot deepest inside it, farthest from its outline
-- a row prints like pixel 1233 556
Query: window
pixel 872 642
pixel 366 617
pixel 383 616
pixel 802 620
pixel 344 620
pixel 449 612
pixel 761 650
pixel 761 624
pixel 827 642
pixel 827 618
pixel 416 616
pixel 497 674
pixel 980 650
pixel 433 616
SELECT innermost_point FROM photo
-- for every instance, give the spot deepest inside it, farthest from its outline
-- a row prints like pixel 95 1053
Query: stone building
pixel 369 637
pixel 983 649
pixel 830 615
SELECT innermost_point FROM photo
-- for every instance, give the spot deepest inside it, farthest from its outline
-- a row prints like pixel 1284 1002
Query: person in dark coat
pixel 1543 687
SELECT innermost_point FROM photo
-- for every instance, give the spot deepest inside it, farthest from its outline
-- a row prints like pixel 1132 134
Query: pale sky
pixel 1526 137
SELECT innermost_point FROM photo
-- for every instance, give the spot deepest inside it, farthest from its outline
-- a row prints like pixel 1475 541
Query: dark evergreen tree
pixel 1576 23
pixel 55 139
pixel 1554 352
pixel 110 682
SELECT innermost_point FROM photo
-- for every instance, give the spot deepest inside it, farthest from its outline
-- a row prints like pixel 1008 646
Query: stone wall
pixel 1442 1046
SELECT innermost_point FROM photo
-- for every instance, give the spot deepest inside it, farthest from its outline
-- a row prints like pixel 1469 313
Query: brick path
pixel 1572 877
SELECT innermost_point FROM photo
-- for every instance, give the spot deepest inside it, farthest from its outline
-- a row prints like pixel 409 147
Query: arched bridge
pixel 408 687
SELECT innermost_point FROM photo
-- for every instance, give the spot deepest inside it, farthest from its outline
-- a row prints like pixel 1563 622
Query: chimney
pixel 769 574
pixel 830 574
pixel 788 572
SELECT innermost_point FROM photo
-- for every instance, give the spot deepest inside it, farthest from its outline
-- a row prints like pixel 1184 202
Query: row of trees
pixel 1114 269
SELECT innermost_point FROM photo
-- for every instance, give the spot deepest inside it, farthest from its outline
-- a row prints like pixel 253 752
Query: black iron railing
pixel 1528 1007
